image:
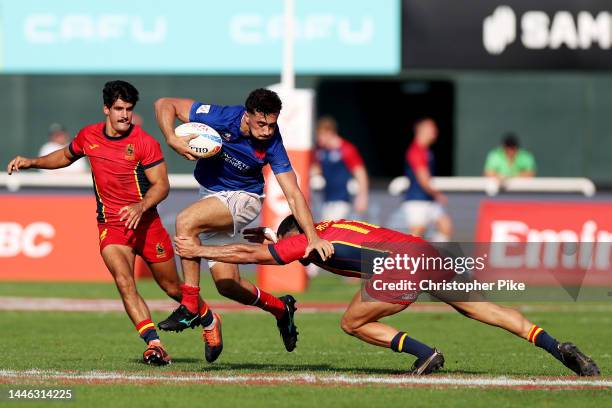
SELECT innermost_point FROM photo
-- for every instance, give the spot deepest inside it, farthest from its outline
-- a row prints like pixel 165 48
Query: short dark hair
pixel 287 225
pixel 114 90
pixel 510 141
pixel 264 101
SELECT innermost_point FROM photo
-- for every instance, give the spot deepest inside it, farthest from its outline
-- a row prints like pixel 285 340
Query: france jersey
pixel 337 166
pixel 418 157
pixel 239 164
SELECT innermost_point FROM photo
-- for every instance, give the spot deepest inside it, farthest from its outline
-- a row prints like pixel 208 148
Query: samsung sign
pixel 560 34
pixel 231 37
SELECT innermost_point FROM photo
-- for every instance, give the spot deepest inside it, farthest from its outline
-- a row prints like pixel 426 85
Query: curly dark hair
pixel 114 90
pixel 287 225
pixel 264 101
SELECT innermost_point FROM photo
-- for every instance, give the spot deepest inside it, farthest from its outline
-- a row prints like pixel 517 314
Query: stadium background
pixel 376 69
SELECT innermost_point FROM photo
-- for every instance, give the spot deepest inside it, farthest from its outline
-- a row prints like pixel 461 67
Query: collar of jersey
pixel 123 136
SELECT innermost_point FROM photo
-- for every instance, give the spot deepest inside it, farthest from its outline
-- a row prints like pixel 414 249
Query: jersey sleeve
pixel 77 146
pixel 289 249
pixel 215 116
pixel 277 157
pixel 351 157
pixel 151 154
pixel 416 159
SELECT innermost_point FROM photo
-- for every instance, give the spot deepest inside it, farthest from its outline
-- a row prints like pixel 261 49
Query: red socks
pixel 269 303
pixel 191 295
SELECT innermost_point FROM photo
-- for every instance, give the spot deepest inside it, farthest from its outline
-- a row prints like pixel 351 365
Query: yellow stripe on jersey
pixel 352 228
pixel 99 197
pixel 368 224
pixel 136 179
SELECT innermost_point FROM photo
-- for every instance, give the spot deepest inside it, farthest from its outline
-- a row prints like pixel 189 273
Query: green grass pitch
pixel 83 342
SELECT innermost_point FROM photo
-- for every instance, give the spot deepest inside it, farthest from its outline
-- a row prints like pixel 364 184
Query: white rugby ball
pixel 207 144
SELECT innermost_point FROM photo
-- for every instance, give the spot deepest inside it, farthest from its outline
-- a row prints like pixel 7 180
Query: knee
pixel 348 325
pixel 184 224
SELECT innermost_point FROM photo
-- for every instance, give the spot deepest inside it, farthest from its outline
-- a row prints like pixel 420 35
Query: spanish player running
pixel 130 179
pixel 351 239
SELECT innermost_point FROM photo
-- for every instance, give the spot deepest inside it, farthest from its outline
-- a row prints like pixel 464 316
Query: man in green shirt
pixel 509 160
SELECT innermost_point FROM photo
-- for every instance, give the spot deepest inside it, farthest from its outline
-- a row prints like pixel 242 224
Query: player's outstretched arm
pixel 167 110
pixel 233 253
pixel 301 211
pixel 158 191
pixel 55 160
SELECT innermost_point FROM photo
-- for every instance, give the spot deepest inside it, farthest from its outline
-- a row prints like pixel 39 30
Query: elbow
pixel 160 104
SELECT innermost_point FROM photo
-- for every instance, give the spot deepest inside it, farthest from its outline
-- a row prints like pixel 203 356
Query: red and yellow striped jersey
pixel 354 242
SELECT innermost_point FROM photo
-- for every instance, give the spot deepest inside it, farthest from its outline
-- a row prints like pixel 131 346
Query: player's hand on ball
pixel 180 144
pixel 259 235
pixel 186 247
pixel 323 248
pixel 131 214
pixel 18 163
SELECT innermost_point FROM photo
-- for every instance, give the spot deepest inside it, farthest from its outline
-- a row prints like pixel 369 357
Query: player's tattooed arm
pixel 55 160
pixel 158 191
pixel 167 110
pixel 187 247
pixel 301 211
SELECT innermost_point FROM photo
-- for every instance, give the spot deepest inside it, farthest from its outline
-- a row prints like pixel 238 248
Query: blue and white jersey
pixel 239 164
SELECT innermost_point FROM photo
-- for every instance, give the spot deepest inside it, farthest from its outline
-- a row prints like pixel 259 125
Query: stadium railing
pixel 487 185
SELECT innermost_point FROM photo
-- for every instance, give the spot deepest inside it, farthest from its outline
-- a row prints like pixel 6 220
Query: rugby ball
pixel 207 144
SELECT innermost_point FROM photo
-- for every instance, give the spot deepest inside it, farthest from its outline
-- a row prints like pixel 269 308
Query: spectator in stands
pixel 338 161
pixel 509 160
pixel 58 138
pixel 423 205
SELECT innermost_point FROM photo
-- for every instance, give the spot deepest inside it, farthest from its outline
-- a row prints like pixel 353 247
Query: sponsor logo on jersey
pixel 129 152
pixel 161 252
pixel 93 146
pixel 203 109
pixel 226 136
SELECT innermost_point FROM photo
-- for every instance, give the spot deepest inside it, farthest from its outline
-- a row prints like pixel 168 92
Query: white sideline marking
pixel 110 376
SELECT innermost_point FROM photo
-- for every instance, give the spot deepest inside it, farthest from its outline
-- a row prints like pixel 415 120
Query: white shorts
pixel 335 210
pixel 244 207
pixel 421 213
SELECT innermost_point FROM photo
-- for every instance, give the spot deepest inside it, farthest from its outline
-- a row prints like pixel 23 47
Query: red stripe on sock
pixel 142 324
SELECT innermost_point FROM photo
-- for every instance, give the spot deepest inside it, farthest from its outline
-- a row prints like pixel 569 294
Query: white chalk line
pixel 306 378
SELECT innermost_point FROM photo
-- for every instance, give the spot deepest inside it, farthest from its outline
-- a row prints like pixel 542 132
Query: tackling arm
pixel 233 253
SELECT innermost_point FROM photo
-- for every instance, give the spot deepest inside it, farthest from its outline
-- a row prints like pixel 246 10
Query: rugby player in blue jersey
pixel 231 191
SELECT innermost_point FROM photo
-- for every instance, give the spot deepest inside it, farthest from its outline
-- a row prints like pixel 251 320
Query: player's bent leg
pixel 514 322
pixel 229 284
pixel 119 260
pixel 361 320
pixel 207 215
